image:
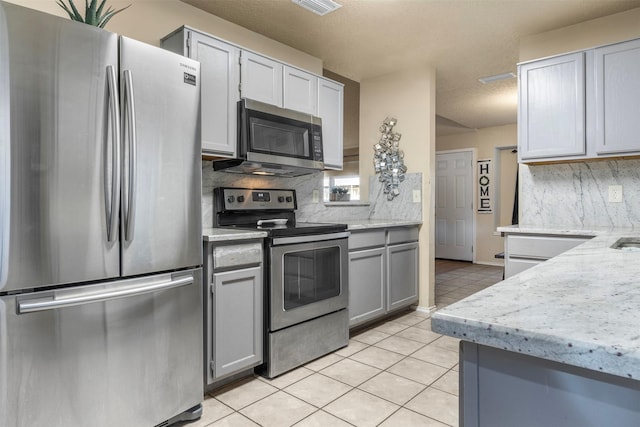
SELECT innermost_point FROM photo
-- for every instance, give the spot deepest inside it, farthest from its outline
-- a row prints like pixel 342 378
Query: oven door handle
pixel 308 239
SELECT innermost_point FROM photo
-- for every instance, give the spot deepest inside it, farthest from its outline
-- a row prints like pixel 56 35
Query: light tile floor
pixel 395 373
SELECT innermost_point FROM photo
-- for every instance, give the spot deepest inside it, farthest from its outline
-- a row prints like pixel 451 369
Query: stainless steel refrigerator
pixel 100 227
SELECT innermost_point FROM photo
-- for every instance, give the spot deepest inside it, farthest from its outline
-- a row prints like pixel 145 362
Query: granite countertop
pixel 226 234
pixel 569 231
pixel 579 308
pixel 363 224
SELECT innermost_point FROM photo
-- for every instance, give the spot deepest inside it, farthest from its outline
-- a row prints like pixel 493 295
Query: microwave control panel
pixel 317 145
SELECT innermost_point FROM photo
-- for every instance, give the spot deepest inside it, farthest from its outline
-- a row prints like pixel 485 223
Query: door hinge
pixel 213 287
pixel 212 366
pixel 188 45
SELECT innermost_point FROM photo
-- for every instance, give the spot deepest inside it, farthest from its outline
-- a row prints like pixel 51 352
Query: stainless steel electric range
pixel 306 276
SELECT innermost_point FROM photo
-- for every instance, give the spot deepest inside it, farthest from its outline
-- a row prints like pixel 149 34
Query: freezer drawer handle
pixel 39 304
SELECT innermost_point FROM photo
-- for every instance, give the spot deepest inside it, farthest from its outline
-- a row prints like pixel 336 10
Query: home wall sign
pixel 388 159
pixel 485 194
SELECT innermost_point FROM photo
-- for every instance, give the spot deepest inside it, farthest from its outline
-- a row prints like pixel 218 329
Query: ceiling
pixel 463 39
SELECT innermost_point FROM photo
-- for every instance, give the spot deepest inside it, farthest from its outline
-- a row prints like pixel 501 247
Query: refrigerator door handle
pixel 51 303
pixel 131 145
pixel 113 202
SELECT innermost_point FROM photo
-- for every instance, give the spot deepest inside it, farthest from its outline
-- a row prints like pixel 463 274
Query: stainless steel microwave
pixel 275 141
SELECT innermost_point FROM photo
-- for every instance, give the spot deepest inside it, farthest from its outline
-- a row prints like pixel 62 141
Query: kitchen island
pixel 556 345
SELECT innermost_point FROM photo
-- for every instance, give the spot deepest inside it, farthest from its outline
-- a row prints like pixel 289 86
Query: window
pixel 349 183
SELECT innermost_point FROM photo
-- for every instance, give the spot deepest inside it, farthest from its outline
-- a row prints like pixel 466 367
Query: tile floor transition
pixel 394 373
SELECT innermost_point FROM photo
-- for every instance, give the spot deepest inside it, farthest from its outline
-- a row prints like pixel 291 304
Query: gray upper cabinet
pixel 580 106
pixel 261 78
pixel 272 82
pixel 300 91
pixel 617 82
pixel 220 79
pixel 331 111
pixel 552 108
pixel 219 93
pixel 229 72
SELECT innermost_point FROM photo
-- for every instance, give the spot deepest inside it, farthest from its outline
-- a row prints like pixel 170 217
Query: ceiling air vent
pixel 497 77
pixel 320 7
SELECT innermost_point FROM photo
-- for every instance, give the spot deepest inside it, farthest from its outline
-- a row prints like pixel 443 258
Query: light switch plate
pixel 315 196
pixel 416 196
pixel 615 194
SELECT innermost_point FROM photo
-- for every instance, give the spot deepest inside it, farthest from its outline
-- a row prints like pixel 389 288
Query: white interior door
pixel 454 205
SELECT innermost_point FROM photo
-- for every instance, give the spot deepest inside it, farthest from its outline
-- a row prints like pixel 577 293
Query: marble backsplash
pixel 576 194
pixel 400 208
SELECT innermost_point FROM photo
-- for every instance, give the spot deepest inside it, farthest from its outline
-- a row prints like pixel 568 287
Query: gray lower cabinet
pixel 403 275
pixel 523 251
pixel 238 321
pixel 233 309
pixel 383 272
pixel 500 388
pixel 367 284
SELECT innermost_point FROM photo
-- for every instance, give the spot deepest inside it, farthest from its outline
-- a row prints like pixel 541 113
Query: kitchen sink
pixel 630 244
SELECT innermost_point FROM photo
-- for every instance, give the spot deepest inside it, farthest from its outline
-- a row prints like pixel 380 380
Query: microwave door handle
pixel 112 198
pixel 131 145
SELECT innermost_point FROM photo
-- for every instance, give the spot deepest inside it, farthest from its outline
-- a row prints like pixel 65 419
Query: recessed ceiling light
pixel 497 77
pixel 320 7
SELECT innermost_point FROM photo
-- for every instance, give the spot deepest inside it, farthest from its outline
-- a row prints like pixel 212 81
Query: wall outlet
pixel 416 196
pixel 615 194
pixel 315 196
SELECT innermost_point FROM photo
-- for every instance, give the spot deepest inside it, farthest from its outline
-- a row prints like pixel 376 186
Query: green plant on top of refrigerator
pixel 93 12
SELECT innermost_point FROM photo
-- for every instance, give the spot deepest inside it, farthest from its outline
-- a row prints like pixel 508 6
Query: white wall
pixel 409 96
pixel 606 30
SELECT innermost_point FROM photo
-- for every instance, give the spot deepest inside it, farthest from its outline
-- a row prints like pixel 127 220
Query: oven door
pixel 308 278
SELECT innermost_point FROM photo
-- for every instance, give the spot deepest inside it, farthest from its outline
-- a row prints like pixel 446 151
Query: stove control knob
pixel 281 199
pixel 240 199
pixel 289 199
pixel 231 199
